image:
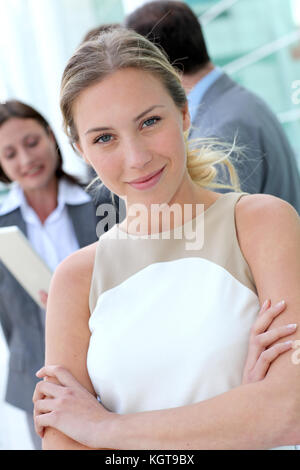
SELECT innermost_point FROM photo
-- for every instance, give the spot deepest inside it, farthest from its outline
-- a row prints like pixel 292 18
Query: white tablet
pixel 23 262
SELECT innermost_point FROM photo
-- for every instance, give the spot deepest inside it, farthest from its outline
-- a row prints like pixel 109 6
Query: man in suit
pixel 219 107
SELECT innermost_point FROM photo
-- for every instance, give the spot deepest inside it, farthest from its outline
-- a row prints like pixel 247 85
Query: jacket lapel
pixel 214 93
pixel 84 220
pixel 218 88
pixel 14 218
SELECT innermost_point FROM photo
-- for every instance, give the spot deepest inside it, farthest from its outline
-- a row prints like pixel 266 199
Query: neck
pixel 43 200
pixel 188 202
pixel 190 80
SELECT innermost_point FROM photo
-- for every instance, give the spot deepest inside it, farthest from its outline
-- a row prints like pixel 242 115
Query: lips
pixel 146 178
pixel 33 171
pixel 147 181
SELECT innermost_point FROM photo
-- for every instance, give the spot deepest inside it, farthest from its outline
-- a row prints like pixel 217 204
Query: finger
pixel 267 357
pixel 40 430
pixel 266 339
pixel 60 373
pixel 261 342
pixel 42 421
pixel 43 406
pixel 47 389
pixel 265 306
pixel 265 319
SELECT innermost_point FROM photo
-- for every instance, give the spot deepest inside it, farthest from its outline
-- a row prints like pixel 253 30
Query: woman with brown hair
pixel 57 216
pixel 152 334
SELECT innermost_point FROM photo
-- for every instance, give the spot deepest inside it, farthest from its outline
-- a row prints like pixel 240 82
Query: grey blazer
pixel 23 321
pixel 269 165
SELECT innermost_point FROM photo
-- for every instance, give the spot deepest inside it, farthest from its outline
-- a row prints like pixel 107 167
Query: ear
pixel 186 117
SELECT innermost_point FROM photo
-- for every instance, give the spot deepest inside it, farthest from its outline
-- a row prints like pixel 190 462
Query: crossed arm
pixel 258 415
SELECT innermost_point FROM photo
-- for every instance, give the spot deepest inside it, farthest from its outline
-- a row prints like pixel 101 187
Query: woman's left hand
pixel 68 407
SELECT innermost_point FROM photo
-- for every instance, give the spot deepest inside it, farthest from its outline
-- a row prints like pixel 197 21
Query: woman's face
pixel 27 153
pixel 131 132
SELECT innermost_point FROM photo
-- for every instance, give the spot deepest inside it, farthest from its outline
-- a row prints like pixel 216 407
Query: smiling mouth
pixel 148 181
pixel 33 171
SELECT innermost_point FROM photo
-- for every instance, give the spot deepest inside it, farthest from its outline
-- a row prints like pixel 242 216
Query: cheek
pixel 50 153
pixel 109 169
pixel 9 168
pixel 174 147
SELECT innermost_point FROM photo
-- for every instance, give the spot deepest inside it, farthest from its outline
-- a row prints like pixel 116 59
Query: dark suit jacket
pixel 101 195
pixel 269 165
pixel 22 320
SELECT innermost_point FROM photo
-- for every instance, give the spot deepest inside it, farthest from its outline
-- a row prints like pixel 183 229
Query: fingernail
pixel 289 343
pixel 292 326
pixel 282 302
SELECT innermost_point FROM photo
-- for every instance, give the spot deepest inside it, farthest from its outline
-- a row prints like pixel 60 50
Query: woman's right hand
pixel 261 351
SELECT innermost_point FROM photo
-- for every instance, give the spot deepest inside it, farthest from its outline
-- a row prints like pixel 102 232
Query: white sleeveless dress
pixel 170 326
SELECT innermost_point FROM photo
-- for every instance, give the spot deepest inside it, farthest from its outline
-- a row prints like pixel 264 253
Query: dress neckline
pixel 159 235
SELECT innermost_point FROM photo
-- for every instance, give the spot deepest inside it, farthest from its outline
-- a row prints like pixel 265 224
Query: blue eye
pixel 103 138
pixel 151 121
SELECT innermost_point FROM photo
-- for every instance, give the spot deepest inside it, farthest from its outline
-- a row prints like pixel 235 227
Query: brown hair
pixel 122 48
pixel 175 27
pixel 17 109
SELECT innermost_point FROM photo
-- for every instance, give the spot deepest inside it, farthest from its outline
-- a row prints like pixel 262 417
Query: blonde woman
pixel 147 331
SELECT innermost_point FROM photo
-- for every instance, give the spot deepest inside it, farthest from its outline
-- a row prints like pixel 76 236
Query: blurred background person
pixel 219 106
pixel 57 216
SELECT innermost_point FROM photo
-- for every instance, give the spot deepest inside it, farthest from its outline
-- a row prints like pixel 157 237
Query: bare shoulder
pixel 77 266
pixel 261 217
pixel 264 204
pixel 268 231
pixel 73 275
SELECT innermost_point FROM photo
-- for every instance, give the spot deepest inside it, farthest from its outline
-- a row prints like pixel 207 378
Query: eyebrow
pixel 97 129
pixel 11 146
pixel 8 147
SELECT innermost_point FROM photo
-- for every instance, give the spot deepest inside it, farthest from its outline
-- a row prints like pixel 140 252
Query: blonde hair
pixel 122 48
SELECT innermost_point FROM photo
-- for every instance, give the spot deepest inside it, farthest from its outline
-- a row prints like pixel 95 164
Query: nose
pixel 137 154
pixel 25 158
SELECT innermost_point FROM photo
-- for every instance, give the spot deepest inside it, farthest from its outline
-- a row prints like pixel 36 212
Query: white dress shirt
pixel 55 239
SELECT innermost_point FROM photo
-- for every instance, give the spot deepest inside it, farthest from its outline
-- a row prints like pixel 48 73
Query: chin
pixel 39 184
